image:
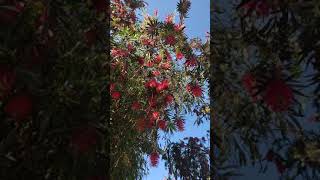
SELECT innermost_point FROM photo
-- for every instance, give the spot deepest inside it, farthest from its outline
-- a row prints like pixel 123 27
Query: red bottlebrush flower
pixel 90 36
pixel 19 107
pixel 154 116
pixel 141 61
pixel 7 80
pixel 141 125
pixel 118 53
pixel 169 19
pixel 158 59
pixel 147 42
pixel 180 124
pixel 156 73
pixel 162 124
pixel 154 158
pixel 151 83
pixel 189 87
pixel 100 5
pixel 83 139
pixel 115 95
pixel 169 99
pixel 191 62
pixel 278 95
pixel 281 167
pixel 179 55
pixel 170 40
pixel 130 47
pixel 152 101
pixel 166 66
pixel 149 63
pixel 162 86
pixel 270 155
pixel 135 105
pixel 195 90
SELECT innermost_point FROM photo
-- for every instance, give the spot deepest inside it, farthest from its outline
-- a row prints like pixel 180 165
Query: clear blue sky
pixel 197 25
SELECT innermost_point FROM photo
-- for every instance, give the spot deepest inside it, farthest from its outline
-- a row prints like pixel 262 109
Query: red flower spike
pixel 195 90
pixel 188 87
pixel 116 95
pixel 83 139
pixel 162 86
pixel 135 106
pixel 154 158
pixel 191 62
pixel 130 47
pixel 151 83
pixel 162 124
pixel 158 59
pixel 180 124
pixel 19 107
pixel 170 40
pixel 179 55
pixel 141 61
pixel 147 42
pixel 169 99
pixel 166 66
pixel 156 73
pixel 149 63
pixel 155 115
pixel 278 95
pixel 118 53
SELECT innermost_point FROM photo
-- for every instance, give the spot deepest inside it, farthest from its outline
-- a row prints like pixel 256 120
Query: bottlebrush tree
pixel 57 74
pixel 157 76
pixel 265 83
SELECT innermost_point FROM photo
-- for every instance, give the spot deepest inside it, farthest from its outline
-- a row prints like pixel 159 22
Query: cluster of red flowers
pixel 154 158
pixel 277 94
pixel 194 89
pixel 153 67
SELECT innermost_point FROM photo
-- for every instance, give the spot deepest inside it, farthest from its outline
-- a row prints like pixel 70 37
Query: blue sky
pixel 197 25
